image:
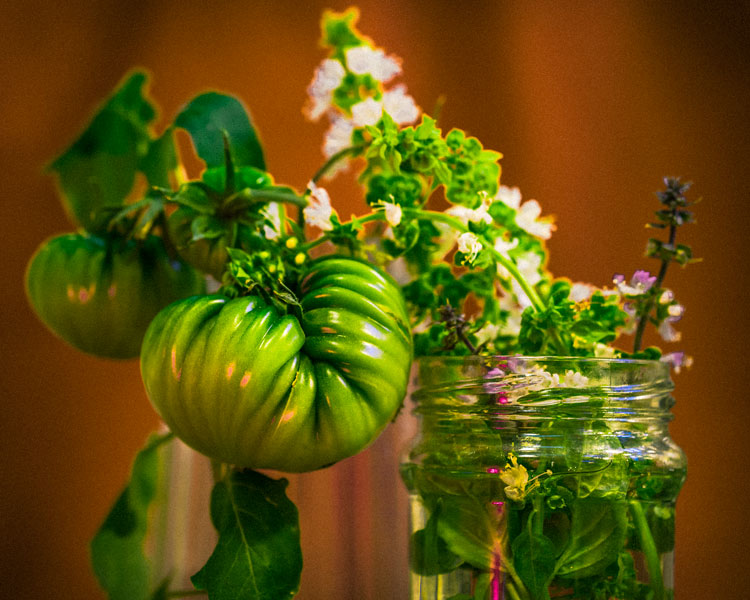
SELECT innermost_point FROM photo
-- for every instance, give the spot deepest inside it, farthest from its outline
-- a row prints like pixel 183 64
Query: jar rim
pixel 620 379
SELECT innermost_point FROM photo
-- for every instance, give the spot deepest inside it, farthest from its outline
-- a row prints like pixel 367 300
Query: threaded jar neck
pixel 543 388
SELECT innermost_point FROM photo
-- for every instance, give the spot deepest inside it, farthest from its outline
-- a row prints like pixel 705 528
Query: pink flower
pixel 640 283
pixel 677 360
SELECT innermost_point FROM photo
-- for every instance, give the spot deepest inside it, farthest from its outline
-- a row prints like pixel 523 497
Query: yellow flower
pixel 515 477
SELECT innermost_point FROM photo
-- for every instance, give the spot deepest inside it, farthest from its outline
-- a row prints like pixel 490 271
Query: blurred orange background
pixel 591 104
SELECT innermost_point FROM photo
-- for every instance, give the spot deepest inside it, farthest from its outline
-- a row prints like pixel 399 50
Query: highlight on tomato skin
pixel 242 383
pixel 99 295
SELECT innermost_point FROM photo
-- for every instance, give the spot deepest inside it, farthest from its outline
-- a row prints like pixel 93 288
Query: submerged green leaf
pixel 428 552
pixel 468 530
pixel 258 554
pixel 208 117
pixel 117 552
pixel 597 534
pixel 534 561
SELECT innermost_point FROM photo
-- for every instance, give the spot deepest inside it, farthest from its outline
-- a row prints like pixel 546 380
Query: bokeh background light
pixel 591 104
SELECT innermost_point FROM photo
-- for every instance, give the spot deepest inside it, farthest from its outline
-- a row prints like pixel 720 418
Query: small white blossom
pixel 361 60
pixel 367 112
pixel 318 212
pixel 271 212
pixel 511 197
pixel 503 247
pixel 513 322
pixel 475 215
pixel 675 310
pixel 327 78
pixel 469 244
pixel 527 214
pixel 529 265
pixel 580 292
pixel 487 333
pixel 666 297
pixel 604 351
pixel 574 379
pixel 667 332
pixel 392 213
pixel 400 105
pixel 526 219
pixel 338 136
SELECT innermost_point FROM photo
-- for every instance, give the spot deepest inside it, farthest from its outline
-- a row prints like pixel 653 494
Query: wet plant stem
pixel 653 564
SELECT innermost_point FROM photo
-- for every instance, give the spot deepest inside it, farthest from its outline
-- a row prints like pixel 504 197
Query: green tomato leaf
pixel 534 561
pixel 597 533
pixel 117 552
pixel 98 171
pixel 207 117
pixel 160 160
pixel 258 554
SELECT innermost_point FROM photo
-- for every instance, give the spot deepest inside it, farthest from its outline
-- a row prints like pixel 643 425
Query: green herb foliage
pixel 258 555
pixel 117 550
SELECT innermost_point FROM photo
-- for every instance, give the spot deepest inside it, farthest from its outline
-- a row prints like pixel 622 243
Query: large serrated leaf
pixel 97 172
pixel 208 117
pixel 117 550
pixel 258 555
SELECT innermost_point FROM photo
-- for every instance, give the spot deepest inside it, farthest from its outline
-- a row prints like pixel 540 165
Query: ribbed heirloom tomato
pixel 244 384
pixel 100 294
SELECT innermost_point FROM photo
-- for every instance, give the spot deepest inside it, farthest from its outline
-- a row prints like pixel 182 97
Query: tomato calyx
pixel 262 274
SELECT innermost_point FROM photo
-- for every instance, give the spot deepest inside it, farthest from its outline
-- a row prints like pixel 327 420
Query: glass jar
pixel 539 478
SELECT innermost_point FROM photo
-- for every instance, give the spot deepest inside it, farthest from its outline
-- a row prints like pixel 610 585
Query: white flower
pixel 666 297
pixel 667 332
pixel 604 351
pixel 338 136
pixel 363 59
pixel 327 78
pixel 529 265
pixel 675 310
pixel 392 213
pixel 400 105
pixel 526 219
pixel 574 379
pixel 526 213
pixel 487 333
pixel 469 244
pixel 271 212
pixel 475 215
pixel 318 212
pixel 503 247
pixel 513 322
pixel 580 292
pixel 367 112
pixel 511 197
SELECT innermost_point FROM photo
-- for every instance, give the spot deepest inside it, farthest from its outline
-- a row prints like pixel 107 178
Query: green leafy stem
pixel 459 226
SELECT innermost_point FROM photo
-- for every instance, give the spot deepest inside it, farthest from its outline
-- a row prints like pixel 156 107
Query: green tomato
pixel 243 384
pixel 201 236
pixel 100 295
pixel 206 254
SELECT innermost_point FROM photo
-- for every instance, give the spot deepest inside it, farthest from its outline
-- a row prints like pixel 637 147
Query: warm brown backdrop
pixel 591 102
